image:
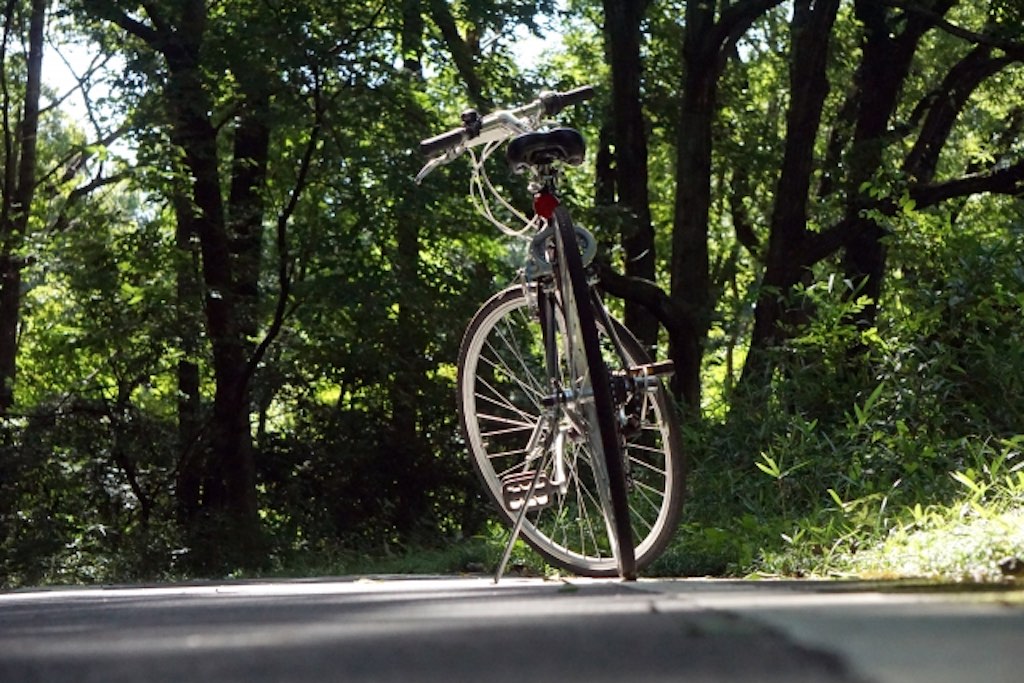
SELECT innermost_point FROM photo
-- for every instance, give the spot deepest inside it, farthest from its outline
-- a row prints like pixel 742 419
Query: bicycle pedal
pixel 515 491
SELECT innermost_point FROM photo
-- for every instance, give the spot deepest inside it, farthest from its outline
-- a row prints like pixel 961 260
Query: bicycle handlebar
pixel 442 142
pixel 547 104
pixel 554 102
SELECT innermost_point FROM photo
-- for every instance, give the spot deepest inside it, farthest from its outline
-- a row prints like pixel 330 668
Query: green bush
pixel 862 428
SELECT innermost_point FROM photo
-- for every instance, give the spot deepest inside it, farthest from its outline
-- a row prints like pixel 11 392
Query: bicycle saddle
pixel 544 147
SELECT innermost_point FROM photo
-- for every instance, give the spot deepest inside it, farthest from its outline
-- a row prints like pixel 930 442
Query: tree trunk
pixel 229 481
pixel 705 46
pixel 461 52
pixel 886 61
pixel 604 170
pixel 412 37
pixel 19 191
pixel 787 260
pixel 246 207
pixel 622 29
pixel 191 456
pixel 690 269
pixel 403 444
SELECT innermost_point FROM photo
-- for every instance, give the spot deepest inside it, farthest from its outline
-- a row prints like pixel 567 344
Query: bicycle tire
pixel 501 381
pixel 592 376
pixel 655 439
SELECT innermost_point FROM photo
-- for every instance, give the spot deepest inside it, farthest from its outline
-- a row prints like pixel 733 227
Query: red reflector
pixel 544 204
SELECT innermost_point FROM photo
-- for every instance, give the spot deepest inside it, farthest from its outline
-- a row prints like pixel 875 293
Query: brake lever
pixel 437 162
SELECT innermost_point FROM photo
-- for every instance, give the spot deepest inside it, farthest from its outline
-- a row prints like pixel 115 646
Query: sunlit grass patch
pixel 981 545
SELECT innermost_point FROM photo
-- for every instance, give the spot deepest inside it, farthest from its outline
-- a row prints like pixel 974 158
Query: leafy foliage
pixel 859 363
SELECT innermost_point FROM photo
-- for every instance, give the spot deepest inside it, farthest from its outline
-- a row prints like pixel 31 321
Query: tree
pixel 178 37
pixel 862 143
pixel 710 38
pixel 218 482
pixel 686 310
pixel 863 136
pixel 811 29
pixel 20 129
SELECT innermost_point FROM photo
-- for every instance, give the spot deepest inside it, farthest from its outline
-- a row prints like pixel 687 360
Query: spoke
pixel 505 432
pixel 635 517
pixel 509 470
pixel 498 400
pixel 583 494
pixel 643 487
pixel 590 494
pixel 508 454
pixel 583 519
pixel 501 419
pixel 635 446
pixel 648 466
pixel 505 343
pixel 514 350
pixel 530 389
pixel 642 490
pixel 557 523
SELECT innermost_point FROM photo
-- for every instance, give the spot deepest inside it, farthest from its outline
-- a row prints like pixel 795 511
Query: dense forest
pixel 229 320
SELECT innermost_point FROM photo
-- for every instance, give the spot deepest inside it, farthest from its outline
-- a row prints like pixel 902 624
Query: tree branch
pixel 644 292
pixel 104 9
pixel 945 104
pixel 461 54
pixel 1008 180
pixel 739 187
pixel 354 35
pixel 162 26
pixel 819 246
pixel 81 82
pixel 284 273
pixel 1010 47
pixel 737 18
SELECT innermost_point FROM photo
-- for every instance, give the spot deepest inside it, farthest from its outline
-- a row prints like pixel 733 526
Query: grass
pixel 776 517
pixel 966 542
pixel 977 536
pixel 972 545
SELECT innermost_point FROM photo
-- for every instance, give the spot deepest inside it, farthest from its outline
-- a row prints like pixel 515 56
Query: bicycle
pixel 567 420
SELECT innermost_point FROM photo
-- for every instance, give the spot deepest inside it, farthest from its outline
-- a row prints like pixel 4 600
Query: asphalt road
pixel 468 629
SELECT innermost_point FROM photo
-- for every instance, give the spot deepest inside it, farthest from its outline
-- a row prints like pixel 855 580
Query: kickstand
pixel 518 525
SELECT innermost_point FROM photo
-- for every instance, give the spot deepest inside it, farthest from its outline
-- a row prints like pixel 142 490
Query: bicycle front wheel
pixel 516 427
pixel 591 391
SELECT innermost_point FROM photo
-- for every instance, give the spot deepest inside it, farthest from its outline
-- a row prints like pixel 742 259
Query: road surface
pixel 468 629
